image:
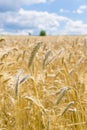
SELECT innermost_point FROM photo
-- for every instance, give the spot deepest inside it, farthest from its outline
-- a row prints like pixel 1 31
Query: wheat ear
pixel 46 57
pixel 62 93
pixel 67 107
pixel 33 53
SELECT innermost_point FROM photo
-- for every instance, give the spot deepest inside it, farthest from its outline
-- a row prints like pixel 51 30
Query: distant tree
pixel 29 33
pixel 42 33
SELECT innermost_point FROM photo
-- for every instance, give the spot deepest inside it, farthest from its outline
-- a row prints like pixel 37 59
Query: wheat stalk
pixel 17 83
pixel 48 124
pixel 62 93
pixel 67 107
pixel 56 56
pixel 17 87
pixel 23 79
pixel 36 101
pixel 33 53
pixel 46 57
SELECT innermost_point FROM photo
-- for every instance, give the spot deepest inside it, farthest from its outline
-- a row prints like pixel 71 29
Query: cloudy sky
pixel 57 17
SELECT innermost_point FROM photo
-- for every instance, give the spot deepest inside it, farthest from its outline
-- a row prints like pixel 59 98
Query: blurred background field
pixel 43 83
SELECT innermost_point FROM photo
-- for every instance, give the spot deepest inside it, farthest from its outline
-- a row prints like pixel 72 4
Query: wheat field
pixel 43 83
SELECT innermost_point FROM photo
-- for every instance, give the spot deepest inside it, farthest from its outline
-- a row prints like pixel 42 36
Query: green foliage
pixel 42 33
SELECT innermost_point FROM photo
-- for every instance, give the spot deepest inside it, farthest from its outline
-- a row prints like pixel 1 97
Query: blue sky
pixel 57 17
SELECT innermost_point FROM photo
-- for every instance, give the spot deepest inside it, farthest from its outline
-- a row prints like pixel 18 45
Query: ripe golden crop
pixel 43 83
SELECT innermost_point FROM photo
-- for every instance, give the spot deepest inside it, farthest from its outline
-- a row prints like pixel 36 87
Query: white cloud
pixel 24 21
pixel 81 9
pixel 1 30
pixel 76 27
pixel 31 20
pixel 7 5
pixel 29 2
pixel 63 11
